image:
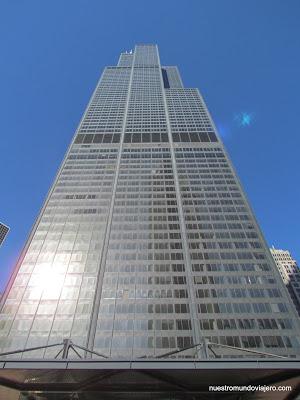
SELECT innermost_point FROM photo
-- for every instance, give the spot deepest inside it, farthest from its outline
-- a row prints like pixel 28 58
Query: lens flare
pixel 244 119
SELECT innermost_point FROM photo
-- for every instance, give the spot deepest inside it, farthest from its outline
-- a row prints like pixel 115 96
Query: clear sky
pixel 243 56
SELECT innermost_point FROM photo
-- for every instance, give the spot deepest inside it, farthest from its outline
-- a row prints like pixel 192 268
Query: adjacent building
pixel 289 272
pixel 3 232
pixel 146 243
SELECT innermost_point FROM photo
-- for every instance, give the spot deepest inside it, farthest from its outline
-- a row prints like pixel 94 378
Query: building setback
pixel 289 272
pixel 146 242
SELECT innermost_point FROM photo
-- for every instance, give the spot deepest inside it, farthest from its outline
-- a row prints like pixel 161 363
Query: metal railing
pixel 67 345
pixel 202 351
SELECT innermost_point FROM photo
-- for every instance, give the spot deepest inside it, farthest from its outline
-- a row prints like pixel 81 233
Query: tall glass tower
pixel 146 242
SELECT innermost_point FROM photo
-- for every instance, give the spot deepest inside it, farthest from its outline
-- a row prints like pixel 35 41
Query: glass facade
pixel 146 242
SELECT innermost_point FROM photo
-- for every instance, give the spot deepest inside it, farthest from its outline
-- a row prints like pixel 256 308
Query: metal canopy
pixel 146 379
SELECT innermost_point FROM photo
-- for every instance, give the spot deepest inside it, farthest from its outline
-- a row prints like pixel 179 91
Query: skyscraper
pixel 289 272
pixel 146 242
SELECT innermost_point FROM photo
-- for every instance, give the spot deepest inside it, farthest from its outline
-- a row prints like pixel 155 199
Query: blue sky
pixel 243 56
